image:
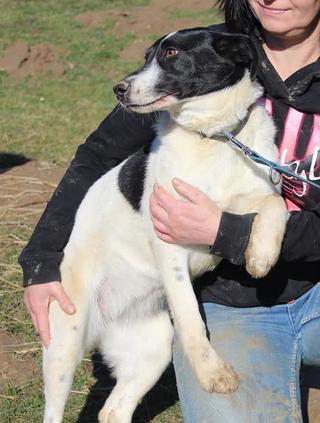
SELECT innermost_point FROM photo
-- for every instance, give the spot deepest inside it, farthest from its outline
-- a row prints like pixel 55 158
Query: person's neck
pixel 289 54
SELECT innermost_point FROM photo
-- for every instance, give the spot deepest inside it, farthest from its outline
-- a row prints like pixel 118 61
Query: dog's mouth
pixel 151 103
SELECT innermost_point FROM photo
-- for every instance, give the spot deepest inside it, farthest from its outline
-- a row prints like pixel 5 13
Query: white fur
pixel 144 82
pixel 118 272
pixel 169 35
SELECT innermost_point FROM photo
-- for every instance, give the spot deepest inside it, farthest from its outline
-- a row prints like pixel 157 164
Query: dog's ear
pixel 239 48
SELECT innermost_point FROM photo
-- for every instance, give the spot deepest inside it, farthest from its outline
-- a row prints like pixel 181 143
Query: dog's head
pixel 187 64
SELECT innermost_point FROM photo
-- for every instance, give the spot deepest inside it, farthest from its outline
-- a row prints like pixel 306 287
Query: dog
pixel 127 284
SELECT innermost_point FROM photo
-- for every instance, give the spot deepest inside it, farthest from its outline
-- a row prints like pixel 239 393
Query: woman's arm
pixel 118 136
pixel 301 242
pixel 227 234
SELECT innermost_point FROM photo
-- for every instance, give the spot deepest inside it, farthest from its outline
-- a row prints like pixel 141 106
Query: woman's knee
pixel 264 367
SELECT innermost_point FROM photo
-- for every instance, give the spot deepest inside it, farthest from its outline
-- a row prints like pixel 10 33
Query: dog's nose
pixel 120 89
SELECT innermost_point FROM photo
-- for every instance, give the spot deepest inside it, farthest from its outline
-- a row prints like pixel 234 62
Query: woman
pixel 264 328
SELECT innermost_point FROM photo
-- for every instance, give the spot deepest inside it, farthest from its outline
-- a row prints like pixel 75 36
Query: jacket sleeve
pixel 118 136
pixel 301 242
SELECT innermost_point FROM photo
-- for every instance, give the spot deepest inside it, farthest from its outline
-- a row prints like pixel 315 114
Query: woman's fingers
pixel 64 301
pixel 165 237
pixel 42 317
pixel 188 191
pixel 32 315
pixel 38 298
pixel 191 220
pixel 164 199
pixel 157 208
pixel 34 321
pixel 159 226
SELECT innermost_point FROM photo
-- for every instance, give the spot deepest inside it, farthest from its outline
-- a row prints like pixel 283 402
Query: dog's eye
pixel 170 52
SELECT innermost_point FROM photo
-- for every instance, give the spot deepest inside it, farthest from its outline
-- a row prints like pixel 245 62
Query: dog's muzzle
pixel 120 89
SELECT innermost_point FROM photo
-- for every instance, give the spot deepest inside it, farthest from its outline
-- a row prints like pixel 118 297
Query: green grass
pixel 45 118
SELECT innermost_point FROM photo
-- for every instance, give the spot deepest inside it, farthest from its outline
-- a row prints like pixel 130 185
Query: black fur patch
pixel 206 61
pixel 131 177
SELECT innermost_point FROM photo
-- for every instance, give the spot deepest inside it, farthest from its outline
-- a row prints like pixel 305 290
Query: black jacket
pixel 121 134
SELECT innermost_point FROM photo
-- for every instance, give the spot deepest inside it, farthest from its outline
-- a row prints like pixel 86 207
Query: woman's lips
pixel 272 10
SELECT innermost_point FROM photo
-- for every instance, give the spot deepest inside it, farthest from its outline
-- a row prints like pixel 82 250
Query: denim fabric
pixel 266 346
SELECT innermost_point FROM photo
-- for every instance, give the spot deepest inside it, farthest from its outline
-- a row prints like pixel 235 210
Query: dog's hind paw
pixel 109 416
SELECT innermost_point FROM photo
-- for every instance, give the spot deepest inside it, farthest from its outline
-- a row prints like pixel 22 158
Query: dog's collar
pixel 221 134
pixel 275 169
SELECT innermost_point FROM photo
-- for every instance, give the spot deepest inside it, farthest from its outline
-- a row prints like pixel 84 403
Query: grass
pixel 45 118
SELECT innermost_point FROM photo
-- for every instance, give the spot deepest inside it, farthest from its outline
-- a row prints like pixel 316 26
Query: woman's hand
pixel 190 221
pixel 37 298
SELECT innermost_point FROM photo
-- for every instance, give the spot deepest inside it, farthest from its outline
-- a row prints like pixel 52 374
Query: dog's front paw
pixel 266 237
pixel 258 267
pixel 216 376
pixel 259 261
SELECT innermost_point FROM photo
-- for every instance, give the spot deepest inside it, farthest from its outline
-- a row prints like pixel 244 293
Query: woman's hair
pixel 239 17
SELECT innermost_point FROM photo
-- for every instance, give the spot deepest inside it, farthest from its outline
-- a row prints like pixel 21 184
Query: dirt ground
pixel 22 60
pixel 16 366
pixel 25 190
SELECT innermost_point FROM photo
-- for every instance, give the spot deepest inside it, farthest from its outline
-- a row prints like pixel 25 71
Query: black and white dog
pixel 119 275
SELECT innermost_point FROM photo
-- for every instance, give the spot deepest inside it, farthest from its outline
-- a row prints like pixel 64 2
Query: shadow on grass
pixel 162 395
pixel 9 160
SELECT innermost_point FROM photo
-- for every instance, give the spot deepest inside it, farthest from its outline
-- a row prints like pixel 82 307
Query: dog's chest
pixel 213 166
pixel 210 165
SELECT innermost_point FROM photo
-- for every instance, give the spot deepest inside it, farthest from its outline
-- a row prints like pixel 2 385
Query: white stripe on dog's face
pixel 143 86
pixel 143 83
pixel 143 90
pixel 169 35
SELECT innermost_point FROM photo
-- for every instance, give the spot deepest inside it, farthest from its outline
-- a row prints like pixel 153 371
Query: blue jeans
pixel 266 346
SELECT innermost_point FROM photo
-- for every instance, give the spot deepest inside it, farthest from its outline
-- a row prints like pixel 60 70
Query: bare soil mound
pixel 143 17
pixel 145 21
pixel 21 60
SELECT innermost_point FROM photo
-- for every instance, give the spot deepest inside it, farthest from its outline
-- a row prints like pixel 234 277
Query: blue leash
pixel 253 155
